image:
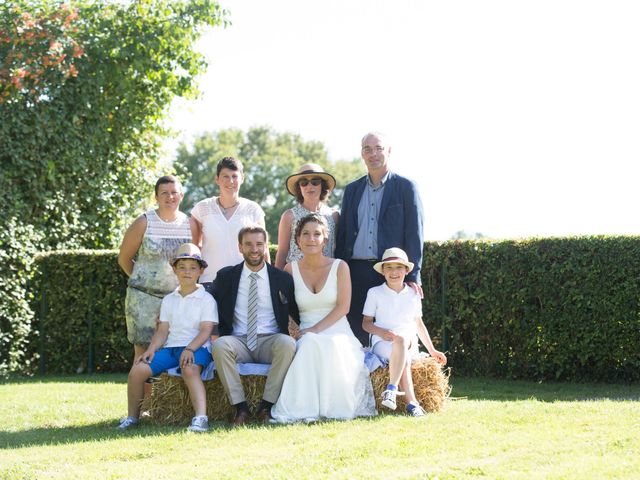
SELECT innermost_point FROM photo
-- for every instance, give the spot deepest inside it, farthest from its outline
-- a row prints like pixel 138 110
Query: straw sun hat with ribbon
pixel 393 255
pixel 309 170
pixel 191 251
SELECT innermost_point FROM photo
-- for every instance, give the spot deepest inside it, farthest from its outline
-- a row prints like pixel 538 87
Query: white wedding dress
pixel 328 377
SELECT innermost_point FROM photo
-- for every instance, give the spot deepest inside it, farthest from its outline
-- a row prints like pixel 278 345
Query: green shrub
pixel 81 325
pixel 18 243
pixel 565 308
pixel 79 299
pixel 84 91
pixel 559 308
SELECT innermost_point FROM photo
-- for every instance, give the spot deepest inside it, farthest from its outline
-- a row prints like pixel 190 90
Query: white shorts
pixel 382 348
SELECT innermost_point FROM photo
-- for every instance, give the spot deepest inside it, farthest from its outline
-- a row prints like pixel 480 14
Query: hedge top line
pixel 482 241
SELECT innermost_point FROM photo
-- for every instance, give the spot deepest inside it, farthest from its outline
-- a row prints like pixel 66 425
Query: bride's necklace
pixel 226 209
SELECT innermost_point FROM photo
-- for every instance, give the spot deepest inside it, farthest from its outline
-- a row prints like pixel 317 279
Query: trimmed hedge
pixel 80 313
pixel 559 308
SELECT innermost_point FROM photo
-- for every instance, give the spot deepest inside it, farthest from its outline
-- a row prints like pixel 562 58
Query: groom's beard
pixel 253 261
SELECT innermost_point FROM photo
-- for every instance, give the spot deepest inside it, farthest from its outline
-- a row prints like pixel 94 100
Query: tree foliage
pixel 268 157
pixel 84 87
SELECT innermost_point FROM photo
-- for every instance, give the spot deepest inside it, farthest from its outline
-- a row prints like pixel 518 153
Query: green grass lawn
pixel 64 427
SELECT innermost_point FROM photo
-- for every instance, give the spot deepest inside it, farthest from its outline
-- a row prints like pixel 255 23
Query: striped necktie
pixel 252 312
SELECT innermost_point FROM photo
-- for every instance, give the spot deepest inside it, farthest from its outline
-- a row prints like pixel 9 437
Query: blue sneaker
pixel 415 410
pixel 199 424
pixel 389 399
pixel 128 423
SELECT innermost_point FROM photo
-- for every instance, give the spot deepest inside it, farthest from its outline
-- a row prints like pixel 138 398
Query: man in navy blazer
pixel 380 210
pixel 272 305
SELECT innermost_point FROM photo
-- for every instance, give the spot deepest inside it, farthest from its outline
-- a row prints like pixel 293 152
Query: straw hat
pixel 189 250
pixel 393 255
pixel 306 170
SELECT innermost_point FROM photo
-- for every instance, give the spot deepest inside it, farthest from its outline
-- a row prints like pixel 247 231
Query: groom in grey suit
pixel 255 301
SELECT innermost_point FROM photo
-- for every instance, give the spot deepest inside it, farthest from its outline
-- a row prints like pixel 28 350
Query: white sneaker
pixel 389 399
pixel 127 423
pixel 415 410
pixel 199 423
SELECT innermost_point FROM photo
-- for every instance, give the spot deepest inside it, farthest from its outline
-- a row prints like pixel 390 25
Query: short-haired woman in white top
pixel 217 220
pixel 311 186
pixel 147 248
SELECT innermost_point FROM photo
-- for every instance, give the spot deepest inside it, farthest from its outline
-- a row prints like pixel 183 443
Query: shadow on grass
pixel 80 378
pixel 84 433
pixel 474 388
pixel 105 431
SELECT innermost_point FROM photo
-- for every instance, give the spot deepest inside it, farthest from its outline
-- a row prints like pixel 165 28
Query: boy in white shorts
pixel 183 338
pixel 397 310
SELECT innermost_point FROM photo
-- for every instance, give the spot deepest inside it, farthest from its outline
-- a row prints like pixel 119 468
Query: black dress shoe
pixel 241 418
pixel 264 415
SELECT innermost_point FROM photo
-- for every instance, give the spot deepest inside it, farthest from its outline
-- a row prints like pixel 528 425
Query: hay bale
pixel 170 403
pixel 430 382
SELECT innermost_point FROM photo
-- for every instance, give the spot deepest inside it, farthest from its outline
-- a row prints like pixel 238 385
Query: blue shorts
pixel 169 357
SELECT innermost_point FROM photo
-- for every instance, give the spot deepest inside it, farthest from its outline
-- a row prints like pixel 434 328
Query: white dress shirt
pixel 185 314
pixel 266 319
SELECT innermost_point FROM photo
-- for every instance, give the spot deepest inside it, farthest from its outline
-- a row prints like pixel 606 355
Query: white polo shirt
pixel 184 315
pixel 266 318
pixel 393 310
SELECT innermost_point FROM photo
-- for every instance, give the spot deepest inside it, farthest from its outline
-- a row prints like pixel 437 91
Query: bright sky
pixel 515 118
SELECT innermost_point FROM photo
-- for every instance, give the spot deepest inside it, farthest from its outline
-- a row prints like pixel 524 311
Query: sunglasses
pixel 314 181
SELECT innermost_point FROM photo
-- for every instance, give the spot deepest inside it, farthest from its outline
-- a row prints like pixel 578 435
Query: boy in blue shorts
pixel 397 310
pixel 183 338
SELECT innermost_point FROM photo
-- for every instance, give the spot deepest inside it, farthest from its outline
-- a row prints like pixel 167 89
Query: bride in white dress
pixel 328 377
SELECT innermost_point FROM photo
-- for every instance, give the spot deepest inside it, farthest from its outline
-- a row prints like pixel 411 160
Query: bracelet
pixel 190 349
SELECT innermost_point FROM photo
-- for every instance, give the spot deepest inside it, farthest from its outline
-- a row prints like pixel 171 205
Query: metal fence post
pixel 91 352
pixel 43 315
pixel 443 304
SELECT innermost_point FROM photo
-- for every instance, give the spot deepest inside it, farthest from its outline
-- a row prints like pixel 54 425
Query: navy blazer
pixel 400 222
pixel 225 290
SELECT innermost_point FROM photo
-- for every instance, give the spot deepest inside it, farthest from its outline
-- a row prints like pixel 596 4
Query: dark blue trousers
pixel 363 277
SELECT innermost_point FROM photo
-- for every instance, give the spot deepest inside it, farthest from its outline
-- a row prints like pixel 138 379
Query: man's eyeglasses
pixel 314 181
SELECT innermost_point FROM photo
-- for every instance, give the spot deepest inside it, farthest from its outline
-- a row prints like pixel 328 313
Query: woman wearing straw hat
pixel 311 186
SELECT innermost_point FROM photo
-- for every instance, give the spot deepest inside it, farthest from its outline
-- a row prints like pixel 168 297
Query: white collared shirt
pixel 266 319
pixel 393 310
pixel 184 315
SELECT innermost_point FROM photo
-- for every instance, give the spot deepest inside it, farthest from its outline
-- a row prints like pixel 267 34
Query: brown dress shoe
pixel 241 418
pixel 264 415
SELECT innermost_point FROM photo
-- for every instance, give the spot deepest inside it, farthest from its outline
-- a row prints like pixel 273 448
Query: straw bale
pixel 170 403
pixel 430 383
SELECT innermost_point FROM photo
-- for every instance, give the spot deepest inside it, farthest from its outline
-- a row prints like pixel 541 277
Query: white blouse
pixel 220 236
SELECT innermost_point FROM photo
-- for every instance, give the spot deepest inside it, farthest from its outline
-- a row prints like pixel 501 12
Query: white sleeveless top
pixel 152 272
pixel 315 306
